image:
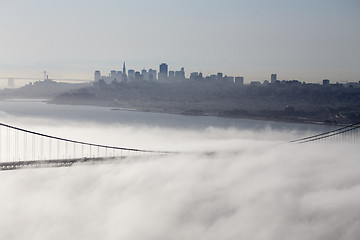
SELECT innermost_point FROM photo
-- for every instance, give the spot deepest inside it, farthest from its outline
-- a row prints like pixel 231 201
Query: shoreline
pixel 258 118
pixel 183 113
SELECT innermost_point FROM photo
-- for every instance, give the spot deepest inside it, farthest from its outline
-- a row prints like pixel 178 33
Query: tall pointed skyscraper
pixel 124 76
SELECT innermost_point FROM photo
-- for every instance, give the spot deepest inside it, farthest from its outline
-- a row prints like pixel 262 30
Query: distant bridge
pixel 21 148
pixel 54 79
pixel 347 133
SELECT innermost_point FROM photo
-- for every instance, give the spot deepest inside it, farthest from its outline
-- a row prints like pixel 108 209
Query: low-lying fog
pixel 230 183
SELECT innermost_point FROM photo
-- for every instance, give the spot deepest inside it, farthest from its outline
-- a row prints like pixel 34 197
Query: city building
pixel 163 73
pixel 113 74
pixel 273 78
pixel 138 76
pixel 171 75
pixel 131 74
pixel 97 75
pixel 145 75
pixel 180 75
pixel 119 76
pixel 228 79
pixel 194 75
pixel 326 82
pixel 152 75
pixel 124 76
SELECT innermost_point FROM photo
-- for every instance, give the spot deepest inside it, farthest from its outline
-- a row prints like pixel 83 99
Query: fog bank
pixel 229 184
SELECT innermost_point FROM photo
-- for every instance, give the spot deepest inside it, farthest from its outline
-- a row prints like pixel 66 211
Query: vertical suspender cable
pixel 25 145
pixel 41 155
pixel 0 142
pixel 8 144
pixel 58 150
pixel 66 150
pixel 50 146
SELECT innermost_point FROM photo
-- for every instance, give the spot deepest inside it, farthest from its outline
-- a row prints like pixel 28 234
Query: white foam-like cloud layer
pixel 233 184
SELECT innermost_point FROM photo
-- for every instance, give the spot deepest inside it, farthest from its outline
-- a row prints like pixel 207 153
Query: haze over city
pixel 304 40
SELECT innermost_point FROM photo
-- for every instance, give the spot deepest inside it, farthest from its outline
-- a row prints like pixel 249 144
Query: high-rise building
pixel 171 75
pixel 113 74
pixel 273 78
pixel 138 76
pixel 180 75
pixel 219 76
pixel 163 73
pixel 97 75
pixel 119 76
pixel 124 76
pixel 152 75
pixel 131 74
pixel 326 82
pixel 228 79
pixel 145 74
pixel 196 76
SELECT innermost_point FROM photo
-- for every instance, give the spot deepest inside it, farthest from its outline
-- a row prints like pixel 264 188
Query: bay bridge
pixel 21 148
pixel 37 77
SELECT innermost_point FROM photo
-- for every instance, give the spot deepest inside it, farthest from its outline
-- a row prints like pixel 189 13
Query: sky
pixel 306 40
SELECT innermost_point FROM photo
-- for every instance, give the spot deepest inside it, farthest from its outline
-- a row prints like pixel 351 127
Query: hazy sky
pixel 307 40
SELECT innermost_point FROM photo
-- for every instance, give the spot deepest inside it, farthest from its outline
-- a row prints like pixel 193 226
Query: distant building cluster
pixel 325 82
pixel 164 75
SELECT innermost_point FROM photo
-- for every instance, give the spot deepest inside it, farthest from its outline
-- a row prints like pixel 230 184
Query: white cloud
pixel 247 188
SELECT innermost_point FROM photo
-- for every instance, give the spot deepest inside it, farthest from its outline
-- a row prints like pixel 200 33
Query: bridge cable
pixel 328 134
pixel 80 142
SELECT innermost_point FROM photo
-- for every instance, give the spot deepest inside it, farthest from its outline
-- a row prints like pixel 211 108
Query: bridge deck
pixel 53 163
